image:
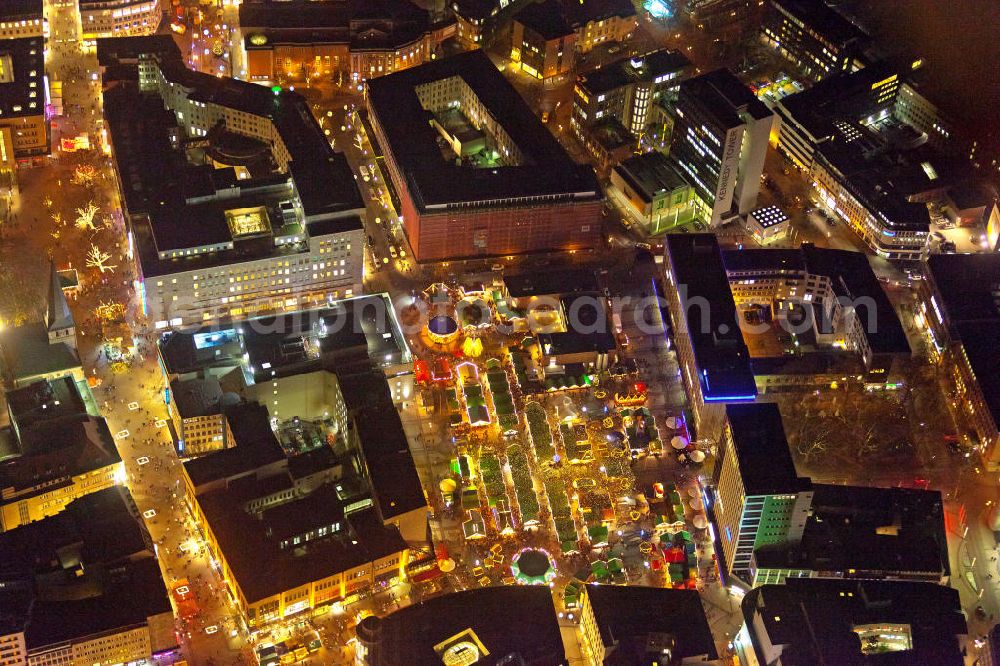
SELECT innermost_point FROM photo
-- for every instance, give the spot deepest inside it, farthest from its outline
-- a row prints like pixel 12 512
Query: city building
pixel 773 525
pixel 22 18
pixel 496 625
pixel 829 299
pixel 542 41
pixel 24 128
pixel 814 36
pixel 653 195
pixel 476 172
pixel 119 18
pixel 714 359
pixel 599 22
pixel 263 217
pixel 811 117
pixel 767 224
pixel 45 349
pixel 862 532
pixel 959 307
pixel 314 507
pixel 806 622
pixel 84 587
pixel 474 20
pixel 616 104
pixel 719 141
pixel 55 450
pixel 719 14
pixel 914 109
pixel 757 497
pixel 196 408
pixel 629 625
pixel 869 169
pixel 359 39
pixel 210 369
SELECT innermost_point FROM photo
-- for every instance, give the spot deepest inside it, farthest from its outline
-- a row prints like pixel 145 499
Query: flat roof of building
pixel 969 285
pixel 545 19
pixel 587 328
pixel 761 450
pixel 623 71
pixel 385 449
pixel 857 528
pixel 255 446
pixel 724 97
pixel 650 175
pixel 87 570
pixel 627 615
pixel 851 277
pixel 552 283
pixel 56 438
pixel 581 12
pixel 251 543
pixel 22 90
pixel 434 183
pixel 186 205
pixel 979 340
pixel 363 24
pixel 515 622
pixel 355 330
pixel 721 355
pixel 823 19
pixel 20 10
pixel 817 620
pixel 769 216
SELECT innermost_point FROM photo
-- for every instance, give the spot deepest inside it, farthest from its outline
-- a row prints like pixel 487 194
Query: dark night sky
pixel 959 41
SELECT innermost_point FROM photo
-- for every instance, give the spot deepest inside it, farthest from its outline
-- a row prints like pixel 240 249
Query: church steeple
pixel 58 318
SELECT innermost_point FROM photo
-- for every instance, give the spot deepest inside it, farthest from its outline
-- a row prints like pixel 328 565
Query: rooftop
pixel 21 10
pixel 979 340
pixel 545 19
pixel 22 71
pixel 546 169
pixel 627 616
pixel 587 328
pixel 87 570
pixel 189 207
pixel 851 277
pixel 624 71
pixel 723 98
pixel 823 19
pixel 384 447
pixel 881 530
pixel 52 438
pixel 814 620
pixel 512 624
pixel 255 447
pixel 650 175
pixel 721 355
pixel 252 544
pixel 551 283
pixel 355 330
pixel 969 285
pixel 364 24
pixel 761 450
pixel 581 12
pixel 769 216
pixel 27 352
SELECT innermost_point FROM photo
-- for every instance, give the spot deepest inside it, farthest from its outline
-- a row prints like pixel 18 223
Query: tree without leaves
pixel 98 259
pixel 85 217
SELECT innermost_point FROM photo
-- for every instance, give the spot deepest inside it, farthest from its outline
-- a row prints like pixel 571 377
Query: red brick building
pixel 476 172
